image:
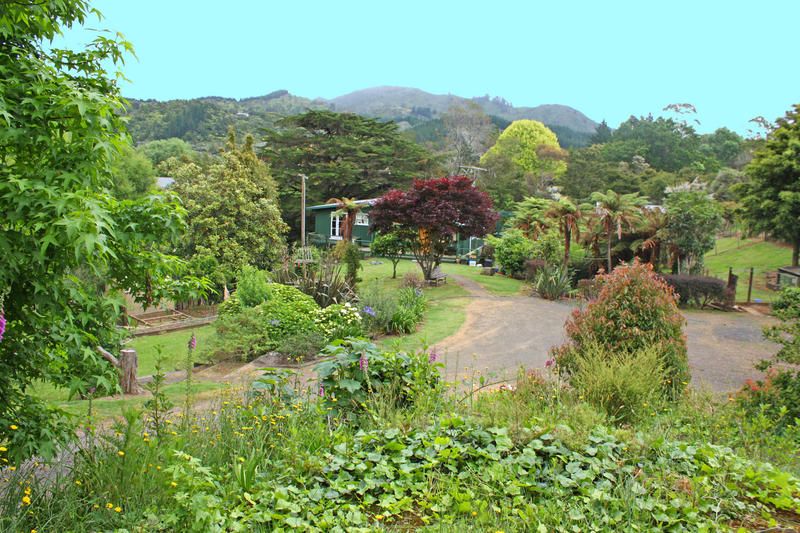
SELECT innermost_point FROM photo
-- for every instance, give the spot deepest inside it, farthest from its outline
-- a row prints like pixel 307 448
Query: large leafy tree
pixel 523 161
pixel 343 155
pixel 771 200
pixel 530 216
pixel 133 174
pixel 232 207
pixel 567 217
pixel 435 210
pixel 693 219
pixel 614 213
pixel 64 240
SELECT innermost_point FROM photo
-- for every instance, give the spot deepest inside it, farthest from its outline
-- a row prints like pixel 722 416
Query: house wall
pixel 322 226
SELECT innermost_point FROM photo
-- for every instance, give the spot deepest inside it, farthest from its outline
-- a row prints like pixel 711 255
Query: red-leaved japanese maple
pixel 435 210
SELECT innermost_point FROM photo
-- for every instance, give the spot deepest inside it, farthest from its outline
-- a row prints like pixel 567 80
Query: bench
pixel 437 278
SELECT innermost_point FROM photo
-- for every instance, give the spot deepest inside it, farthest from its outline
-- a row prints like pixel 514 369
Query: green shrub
pixel 231 306
pixel 251 287
pixel 512 250
pixel 338 321
pixel 625 386
pixel 359 369
pixel 699 290
pixel 787 304
pixel 302 346
pixel 552 282
pixel 634 310
pixel 549 247
pixel 411 305
pixel 325 283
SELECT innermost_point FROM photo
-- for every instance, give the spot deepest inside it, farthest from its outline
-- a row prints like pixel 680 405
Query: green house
pixel 328 229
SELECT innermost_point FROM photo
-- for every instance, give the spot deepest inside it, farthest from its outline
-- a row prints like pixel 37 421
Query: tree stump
pixel 128 366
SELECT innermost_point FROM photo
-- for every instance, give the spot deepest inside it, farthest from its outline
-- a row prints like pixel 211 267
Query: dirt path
pixel 503 333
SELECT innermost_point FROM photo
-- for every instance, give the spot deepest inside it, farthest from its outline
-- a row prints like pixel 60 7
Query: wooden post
pixel 750 285
pixel 128 366
pixel 303 210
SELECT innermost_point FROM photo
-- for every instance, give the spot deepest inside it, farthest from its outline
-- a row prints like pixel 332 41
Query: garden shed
pixel 789 276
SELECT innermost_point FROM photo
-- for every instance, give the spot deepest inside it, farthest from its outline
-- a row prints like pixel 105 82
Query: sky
pixel 610 59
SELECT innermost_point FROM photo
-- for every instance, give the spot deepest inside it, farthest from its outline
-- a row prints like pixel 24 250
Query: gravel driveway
pixel 504 333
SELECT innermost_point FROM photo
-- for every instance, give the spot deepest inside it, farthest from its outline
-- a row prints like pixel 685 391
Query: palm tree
pixel 348 207
pixel 568 216
pixel 653 223
pixel 529 216
pixel 616 211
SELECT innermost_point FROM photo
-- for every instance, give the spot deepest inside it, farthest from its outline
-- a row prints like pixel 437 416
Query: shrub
pixel 699 290
pixel 413 280
pixel 549 247
pixel 378 306
pixel 787 304
pixel 252 286
pixel 512 250
pixel 358 369
pixel 625 386
pixel 552 282
pixel 411 305
pixel 634 310
pixel 231 306
pixel 338 321
pixel 302 346
pixel 326 283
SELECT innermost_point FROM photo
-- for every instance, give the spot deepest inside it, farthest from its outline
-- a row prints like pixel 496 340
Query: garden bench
pixel 437 277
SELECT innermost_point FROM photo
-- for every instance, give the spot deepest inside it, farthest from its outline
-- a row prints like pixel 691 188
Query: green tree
pixel 602 134
pixel 771 200
pixel 724 145
pixel 693 220
pixel 530 216
pixel 614 212
pixel 161 150
pixel 67 245
pixel 232 207
pixel 392 246
pixel 133 174
pixel 525 159
pixel 343 155
pixel 567 217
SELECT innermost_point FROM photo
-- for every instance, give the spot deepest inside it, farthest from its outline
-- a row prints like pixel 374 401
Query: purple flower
pixel 2 325
pixel 275 322
pixel 193 342
pixel 321 391
pixel 433 356
pixel 370 311
pixel 550 362
pixel 363 364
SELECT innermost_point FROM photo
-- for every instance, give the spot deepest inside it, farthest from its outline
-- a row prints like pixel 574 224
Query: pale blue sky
pixel 732 59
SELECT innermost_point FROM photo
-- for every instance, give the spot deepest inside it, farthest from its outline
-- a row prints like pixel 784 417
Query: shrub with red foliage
pixel 634 309
pixel 435 210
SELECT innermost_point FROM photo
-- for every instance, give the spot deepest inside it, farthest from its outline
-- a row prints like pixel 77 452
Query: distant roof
pixel 164 182
pixel 329 206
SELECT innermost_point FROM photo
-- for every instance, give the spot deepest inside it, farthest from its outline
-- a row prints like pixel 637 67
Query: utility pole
pixel 303 179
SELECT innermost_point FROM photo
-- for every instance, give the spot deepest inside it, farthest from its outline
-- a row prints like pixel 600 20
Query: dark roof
pixel 794 271
pixel 333 206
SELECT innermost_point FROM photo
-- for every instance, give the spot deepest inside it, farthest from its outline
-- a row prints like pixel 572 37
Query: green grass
pixel 173 347
pixel 497 284
pixel 741 255
pixel 446 305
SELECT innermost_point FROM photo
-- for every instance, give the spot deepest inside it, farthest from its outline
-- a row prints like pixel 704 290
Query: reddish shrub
pixel 634 310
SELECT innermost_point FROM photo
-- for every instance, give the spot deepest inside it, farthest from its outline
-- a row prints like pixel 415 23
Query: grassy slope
pixel 743 254
pixel 173 347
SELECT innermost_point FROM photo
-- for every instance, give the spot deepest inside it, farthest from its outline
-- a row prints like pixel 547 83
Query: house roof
pixel 334 206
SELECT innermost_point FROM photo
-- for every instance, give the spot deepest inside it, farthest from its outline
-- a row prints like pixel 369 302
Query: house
pixel 328 229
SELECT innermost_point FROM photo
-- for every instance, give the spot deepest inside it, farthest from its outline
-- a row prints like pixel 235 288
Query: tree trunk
pixel 394 268
pixel 128 366
pixel 796 252
pixel 608 252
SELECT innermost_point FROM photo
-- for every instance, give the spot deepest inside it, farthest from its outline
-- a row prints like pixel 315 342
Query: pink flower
pixel 363 364
pixel 193 342
pixel 321 390
pixel 433 356
pixel 2 325
pixel 550 362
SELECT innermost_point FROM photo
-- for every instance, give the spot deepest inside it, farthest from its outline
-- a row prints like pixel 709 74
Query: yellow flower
pixel 241 459
pixel 26 500
pixel 117 509
pixel 474 513
pixel 34 531
pixel 173 484
pixel 3 449
pixel 121 453
pixel 109 505
pixel 78 482
pixel 378 517
pixel 13 427
pixel 27 491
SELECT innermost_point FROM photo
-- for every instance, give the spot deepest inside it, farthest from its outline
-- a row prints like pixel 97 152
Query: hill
pixel 204 121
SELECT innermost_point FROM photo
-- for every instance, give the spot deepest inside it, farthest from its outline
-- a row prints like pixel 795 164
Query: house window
pixel 336 227
pixel 362 219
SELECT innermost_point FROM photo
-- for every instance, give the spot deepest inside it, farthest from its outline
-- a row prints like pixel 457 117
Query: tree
pixel 469 133
pixel 348 207
pixel 771 200
pixel 614 212
pixel 724 145
pixel 392 246
pixel 67 245
pixel 435 211
pixel 161 150
pixel 343 155
pixel 567 216
pixel 693 220
pixel 525 159
pixel 133 174
pixel 602 134
pixel 530 216
pixel 653 225
pixel 233 212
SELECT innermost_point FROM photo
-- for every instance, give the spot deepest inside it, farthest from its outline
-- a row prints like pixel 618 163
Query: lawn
pixel 741 255
pixel 173 345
